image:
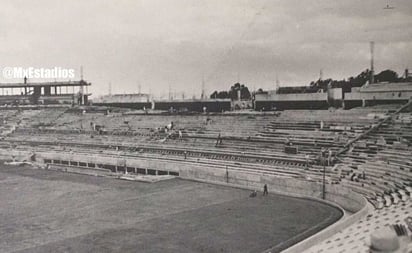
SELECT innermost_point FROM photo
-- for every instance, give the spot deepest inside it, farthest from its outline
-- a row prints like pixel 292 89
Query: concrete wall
pixel 292 97
pixel 358 98
pixel 335 97
pixel 124 98
pixel 343 197
pixel 134 105
pixel 295 187
pixel 291 105
pixel 12 99
pixel 211 105
pixel 291 101
pixel 206 172
pixel 335 93
pixel 378 95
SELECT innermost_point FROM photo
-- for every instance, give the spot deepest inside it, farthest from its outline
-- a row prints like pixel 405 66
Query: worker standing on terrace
pixel 288 142
pixel 329 157
pixel 219 140
pixel 265 190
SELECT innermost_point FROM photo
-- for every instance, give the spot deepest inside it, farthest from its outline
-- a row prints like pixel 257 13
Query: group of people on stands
pixel 357 176
pixel 325 157
pixel 170 131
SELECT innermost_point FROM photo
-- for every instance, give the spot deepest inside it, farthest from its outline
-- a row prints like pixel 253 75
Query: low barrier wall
pixel 344 197
pixel 335 194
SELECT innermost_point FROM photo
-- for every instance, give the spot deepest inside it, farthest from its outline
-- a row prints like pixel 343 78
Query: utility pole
pixel 324 177
pixel 81 87
pixel 277 83
pixel 372 78
pixel 202 95
pixel 81 73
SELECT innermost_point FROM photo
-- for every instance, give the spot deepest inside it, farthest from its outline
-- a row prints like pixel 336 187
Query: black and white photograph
pixel 206 126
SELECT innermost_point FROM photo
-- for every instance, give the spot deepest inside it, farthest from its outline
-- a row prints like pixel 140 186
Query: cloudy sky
pixel 162 43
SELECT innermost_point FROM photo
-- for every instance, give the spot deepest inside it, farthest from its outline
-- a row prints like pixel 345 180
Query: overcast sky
pixel 157 43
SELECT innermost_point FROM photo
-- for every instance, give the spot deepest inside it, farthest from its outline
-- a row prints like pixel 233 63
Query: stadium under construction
pixel 347 167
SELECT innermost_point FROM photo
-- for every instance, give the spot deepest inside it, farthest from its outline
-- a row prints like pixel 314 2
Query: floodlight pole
pixel 227 175
pixel 324 172
pixel 324 178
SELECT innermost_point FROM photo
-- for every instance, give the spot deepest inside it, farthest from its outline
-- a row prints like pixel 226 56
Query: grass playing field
pixel 48 211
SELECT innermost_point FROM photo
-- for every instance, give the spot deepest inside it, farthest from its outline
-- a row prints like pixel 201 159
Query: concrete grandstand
pixel 358 159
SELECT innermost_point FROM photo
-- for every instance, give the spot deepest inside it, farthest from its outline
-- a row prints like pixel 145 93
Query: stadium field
pixel 50 211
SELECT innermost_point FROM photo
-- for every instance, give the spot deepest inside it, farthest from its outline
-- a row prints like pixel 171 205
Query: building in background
pixel 64 92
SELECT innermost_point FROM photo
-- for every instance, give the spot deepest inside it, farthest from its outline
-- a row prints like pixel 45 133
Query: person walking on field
pixel 265 190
